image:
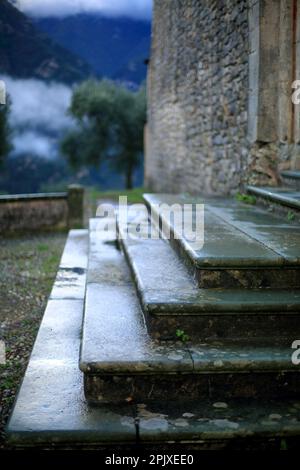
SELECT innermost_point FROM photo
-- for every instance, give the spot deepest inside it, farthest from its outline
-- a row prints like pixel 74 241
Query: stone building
pixel 220 113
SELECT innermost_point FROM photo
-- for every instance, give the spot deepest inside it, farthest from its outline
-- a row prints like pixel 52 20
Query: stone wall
pixel 35 212
pixel 197 137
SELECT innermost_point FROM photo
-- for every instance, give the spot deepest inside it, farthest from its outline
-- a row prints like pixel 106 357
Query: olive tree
pixel 110 121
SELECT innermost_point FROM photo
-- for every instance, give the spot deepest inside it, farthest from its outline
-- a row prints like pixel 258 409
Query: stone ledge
pixel 178 303
pixel 31 197
pixel 224 420
pixel 121 362
pixel 295 175
pixel 284 196
pixel 233 253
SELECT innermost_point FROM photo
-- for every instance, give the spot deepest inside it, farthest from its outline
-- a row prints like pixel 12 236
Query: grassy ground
pixel 134 196
pixel 28 268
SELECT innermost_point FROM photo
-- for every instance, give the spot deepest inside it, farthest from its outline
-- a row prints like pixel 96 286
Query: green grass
pixel 134 196
pixel 50 264
pixel 42 247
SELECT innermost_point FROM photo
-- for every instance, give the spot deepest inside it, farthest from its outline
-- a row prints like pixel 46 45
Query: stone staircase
pixel 284 200
pixel 176 345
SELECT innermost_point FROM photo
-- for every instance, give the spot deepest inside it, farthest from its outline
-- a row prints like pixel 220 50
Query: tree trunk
pixel 129 178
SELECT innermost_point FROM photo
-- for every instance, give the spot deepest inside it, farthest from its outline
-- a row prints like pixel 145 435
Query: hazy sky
pixel 38 115
pixel 132 8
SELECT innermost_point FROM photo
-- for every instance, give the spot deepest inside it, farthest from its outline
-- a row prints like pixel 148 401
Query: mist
pixel 38 116
pixel 138 9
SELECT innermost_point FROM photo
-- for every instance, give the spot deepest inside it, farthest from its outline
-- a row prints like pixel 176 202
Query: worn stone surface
pixel 290 174
pixel 75 251
pixel 242 418
pixel 122 363
pixel 291 179
pixel 284 196
pixel 51 406
pixel 281 236
pixel 238 249
pixel 178 303
pixel 51 409
pixel 71 276
pixel 220 370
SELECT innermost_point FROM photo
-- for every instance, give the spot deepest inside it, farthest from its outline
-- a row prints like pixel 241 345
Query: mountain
pixel 25 52
pixel 115 48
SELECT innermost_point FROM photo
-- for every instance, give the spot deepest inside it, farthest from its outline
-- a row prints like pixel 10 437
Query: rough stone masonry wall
pixel 196 138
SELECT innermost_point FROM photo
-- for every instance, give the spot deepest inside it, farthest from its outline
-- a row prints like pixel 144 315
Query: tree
pixel 110 127
pixel 5 144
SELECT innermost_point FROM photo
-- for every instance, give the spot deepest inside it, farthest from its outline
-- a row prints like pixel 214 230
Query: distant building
pixel 220 112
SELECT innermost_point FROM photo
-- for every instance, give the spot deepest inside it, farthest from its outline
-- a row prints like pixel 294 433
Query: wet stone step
pixel 292 174
pixel 283 196
pixel 122 363
pixel 291 178
pixel 230 256
pixel 51 410
pixel 178 304
pixel 238 422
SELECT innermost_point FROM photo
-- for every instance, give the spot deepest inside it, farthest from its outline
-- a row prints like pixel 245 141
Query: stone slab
pixel 71 276
pixel 115 339
pixel 75 251
pixel 177 302
pixel 285 196
pixel 224 246
pixel 50 409
pixel 231 256
pixel 121 362
pixel 281 237
pixel 221 422
pixel 291 174
pixel 291 178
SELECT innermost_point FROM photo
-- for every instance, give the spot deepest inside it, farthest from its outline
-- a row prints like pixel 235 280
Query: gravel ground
pixel 28 266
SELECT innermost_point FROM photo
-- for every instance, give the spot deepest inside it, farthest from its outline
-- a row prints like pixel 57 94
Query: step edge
pixel 277 198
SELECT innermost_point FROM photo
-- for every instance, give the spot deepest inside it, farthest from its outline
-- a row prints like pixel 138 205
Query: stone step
pixel 282 196
pixel 121 362
pixel 291 178
pixel 234 254
pixel 176 303
pixel 50 411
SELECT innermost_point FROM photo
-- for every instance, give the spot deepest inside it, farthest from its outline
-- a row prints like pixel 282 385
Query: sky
pixel 139 9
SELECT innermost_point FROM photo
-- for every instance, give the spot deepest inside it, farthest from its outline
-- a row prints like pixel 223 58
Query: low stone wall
pixel 50 211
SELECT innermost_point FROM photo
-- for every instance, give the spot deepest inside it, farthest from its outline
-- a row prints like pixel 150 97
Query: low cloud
pixel 139 9
pixel 35 143
pixel 38 115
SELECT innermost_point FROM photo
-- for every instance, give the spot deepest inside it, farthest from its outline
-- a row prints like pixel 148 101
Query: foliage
pixel 290 216
pixel 110 127
pixel 246 198
pixel 182 336
pixel 5 132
